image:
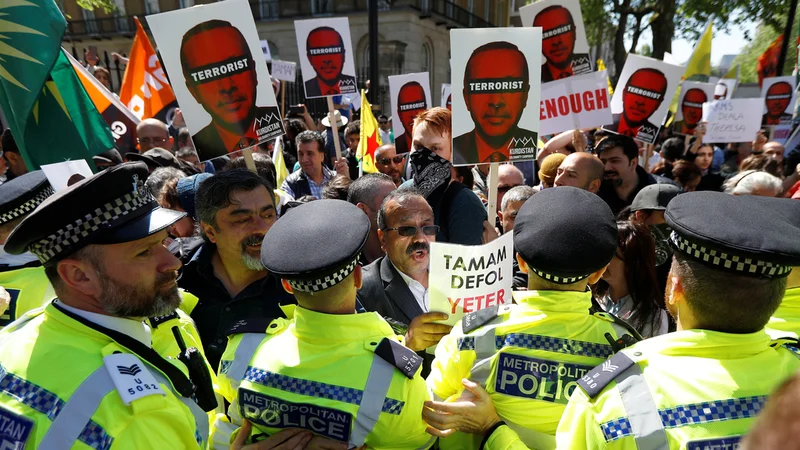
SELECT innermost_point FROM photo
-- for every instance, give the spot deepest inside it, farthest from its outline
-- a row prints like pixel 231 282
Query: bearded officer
pixel 345 376
pixel 529 356
pixel 22 276
pixel 101 244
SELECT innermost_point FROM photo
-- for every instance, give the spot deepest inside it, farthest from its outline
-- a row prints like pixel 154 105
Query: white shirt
pixel 419 291
pixel 134 328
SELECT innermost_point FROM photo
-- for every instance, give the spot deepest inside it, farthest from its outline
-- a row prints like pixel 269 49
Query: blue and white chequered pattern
pixel 50 405
pixel 696 413
pixel 547 343
pixel 224 367
pixel 316 389
pixel 197 437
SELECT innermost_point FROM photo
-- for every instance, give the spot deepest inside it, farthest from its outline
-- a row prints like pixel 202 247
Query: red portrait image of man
pixel 410 102
pixel 496 87
pixel 721 91
pixel 642 97
pixel 777 100
pixel 692 111
pixel 558 44
pixel 326 53
pixel 220 73
pixel 449 102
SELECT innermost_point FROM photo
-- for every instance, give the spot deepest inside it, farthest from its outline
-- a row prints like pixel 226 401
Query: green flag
pixel 49 113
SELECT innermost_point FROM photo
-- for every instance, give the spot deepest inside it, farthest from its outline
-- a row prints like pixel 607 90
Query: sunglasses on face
pixel 408 231
pixel 397 160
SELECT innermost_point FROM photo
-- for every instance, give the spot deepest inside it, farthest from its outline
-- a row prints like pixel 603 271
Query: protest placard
pixel 781 133
pixel 779 98
pixel 326 56
pixel 411 95
pixel 638 107
pixel 265 50
pixel 467 278
pixel 64 174
pixel 581 101
pixel 447 99
pixel 564 45
pixel 208 50
pixel 284 70
pixel 690 106
pixel 724 89
pixel 495 99
pixel 732 120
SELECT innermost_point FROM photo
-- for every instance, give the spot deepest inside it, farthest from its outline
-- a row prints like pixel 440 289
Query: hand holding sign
pixel 423 332
pixel 732 120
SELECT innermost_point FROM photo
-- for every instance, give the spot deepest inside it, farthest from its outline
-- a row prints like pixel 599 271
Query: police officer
pixel 529 356
pixel 345 376
pixel 699 387
pixel 786 320
pixel 22 276
pixel 101 244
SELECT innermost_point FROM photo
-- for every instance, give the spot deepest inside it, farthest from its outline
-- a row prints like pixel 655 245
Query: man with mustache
pixel 623 177
pixel 496 87
pixel 235 209
pixel 410 102
pixel 396 285
pixel 692 110
pixel 644 92
pixel 778 97
pixel 558 44
pixel 326 53
pixel 220 73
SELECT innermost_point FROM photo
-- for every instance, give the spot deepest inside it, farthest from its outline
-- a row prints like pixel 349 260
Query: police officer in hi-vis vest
pixel 344 376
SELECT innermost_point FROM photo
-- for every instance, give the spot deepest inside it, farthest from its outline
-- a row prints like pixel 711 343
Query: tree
pixel 108 6
pixel 764 37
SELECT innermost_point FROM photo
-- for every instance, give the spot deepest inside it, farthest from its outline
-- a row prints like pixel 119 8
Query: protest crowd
pixel 504 271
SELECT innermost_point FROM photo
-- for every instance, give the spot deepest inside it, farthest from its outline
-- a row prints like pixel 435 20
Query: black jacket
pixel 384 291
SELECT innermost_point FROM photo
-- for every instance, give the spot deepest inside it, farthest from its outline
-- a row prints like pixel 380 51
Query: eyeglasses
pixel 397 160
pixel 407 231
pixel 155 140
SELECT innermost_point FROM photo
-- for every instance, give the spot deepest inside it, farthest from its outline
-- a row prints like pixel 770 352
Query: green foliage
pixel 108 6
pixel 765 35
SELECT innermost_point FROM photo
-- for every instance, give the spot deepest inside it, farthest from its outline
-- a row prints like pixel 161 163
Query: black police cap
pixel 565 234
pixel 109 208
pixel 22 195
pixel 316 245
pixel 749 235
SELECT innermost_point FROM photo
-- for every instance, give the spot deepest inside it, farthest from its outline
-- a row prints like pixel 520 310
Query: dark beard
pixel 138 301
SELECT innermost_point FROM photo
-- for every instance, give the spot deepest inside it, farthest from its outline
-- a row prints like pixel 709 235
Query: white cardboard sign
pixel 284 70
pixel 732 120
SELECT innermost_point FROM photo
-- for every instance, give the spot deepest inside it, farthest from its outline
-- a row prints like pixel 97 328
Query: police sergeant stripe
pixel 547 343
pixel 696 413
pixel 316 389
pixel 50 405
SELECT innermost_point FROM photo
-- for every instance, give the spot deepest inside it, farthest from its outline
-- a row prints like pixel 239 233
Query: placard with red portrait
pixel 411 95
pixel 779 99
pixel 326 56
pixel 447 99
pixel 215 63
pixel 690 106
pixel 495 94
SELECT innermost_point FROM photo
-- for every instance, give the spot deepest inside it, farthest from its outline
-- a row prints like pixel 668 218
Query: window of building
pixel 185 3
pixel 151 7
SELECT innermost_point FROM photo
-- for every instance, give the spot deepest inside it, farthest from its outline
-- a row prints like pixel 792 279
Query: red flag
pixel 768 61
pixel 145 89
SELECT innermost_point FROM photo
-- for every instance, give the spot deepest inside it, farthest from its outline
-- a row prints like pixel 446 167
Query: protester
pixel 703 159
pixel 367 193
pixel 581 170
pixel 12 155
pixel 629 288
pixel 107 278
pixel 512 202
pixel 107 159
pixel 390 163
pixel 565 238
pixel 623 177
pixel 152 133
pixel 337 188
pixel 184 139
pixel 179 195
pixel 328 358
pixel 763 163
pixel 463 174
pixel 313 174
pixel 235 210
pixel 328 139
pixel 293 128
pixel 753 182
pixel 549 170
pixel 189 156
pixel 686 175
pixel 352 136
pixel 385 130
pixel 671 150
pixel 508 177
pixel 160 177
pixel 457 211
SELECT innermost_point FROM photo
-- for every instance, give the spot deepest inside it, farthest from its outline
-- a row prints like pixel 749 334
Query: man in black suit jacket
pixel 326 53
pixel 558 45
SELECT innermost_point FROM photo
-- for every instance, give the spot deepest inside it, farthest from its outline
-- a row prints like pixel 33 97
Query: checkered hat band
pixel 558 279
pixel 736 263
pixel 106 216
pixel 320 284
pixel 28 206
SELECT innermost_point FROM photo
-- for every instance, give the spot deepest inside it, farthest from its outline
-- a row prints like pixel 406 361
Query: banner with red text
pixel 581 101
pixel 467 278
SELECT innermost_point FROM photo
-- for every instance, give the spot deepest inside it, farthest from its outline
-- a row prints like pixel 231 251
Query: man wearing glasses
pixel 385 129
pixel 396 285
pixel 152 133
pixel 390 163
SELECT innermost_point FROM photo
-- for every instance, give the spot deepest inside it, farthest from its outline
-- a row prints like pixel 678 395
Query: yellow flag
pixel 370 138
pixel 280 165
pixel 699 64
pixel 601 66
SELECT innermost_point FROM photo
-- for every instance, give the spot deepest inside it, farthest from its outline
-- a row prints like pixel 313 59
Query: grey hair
pixel 399 196
pixel 517 194
pixel 750 181
pixel 160 177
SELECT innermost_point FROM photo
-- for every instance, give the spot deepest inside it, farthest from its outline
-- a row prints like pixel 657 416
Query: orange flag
pixel 768 61
pixel 145 88
pixel 370 138
pixel 119 118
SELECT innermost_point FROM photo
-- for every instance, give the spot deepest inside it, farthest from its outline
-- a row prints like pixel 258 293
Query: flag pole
pixel 334 127
pixel 491 207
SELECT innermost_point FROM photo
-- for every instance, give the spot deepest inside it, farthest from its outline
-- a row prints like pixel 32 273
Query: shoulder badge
pixel 598 378
pixel 131 377
pixel 477 319
pixel 158 320
pixel 399 356
pixel 249 325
